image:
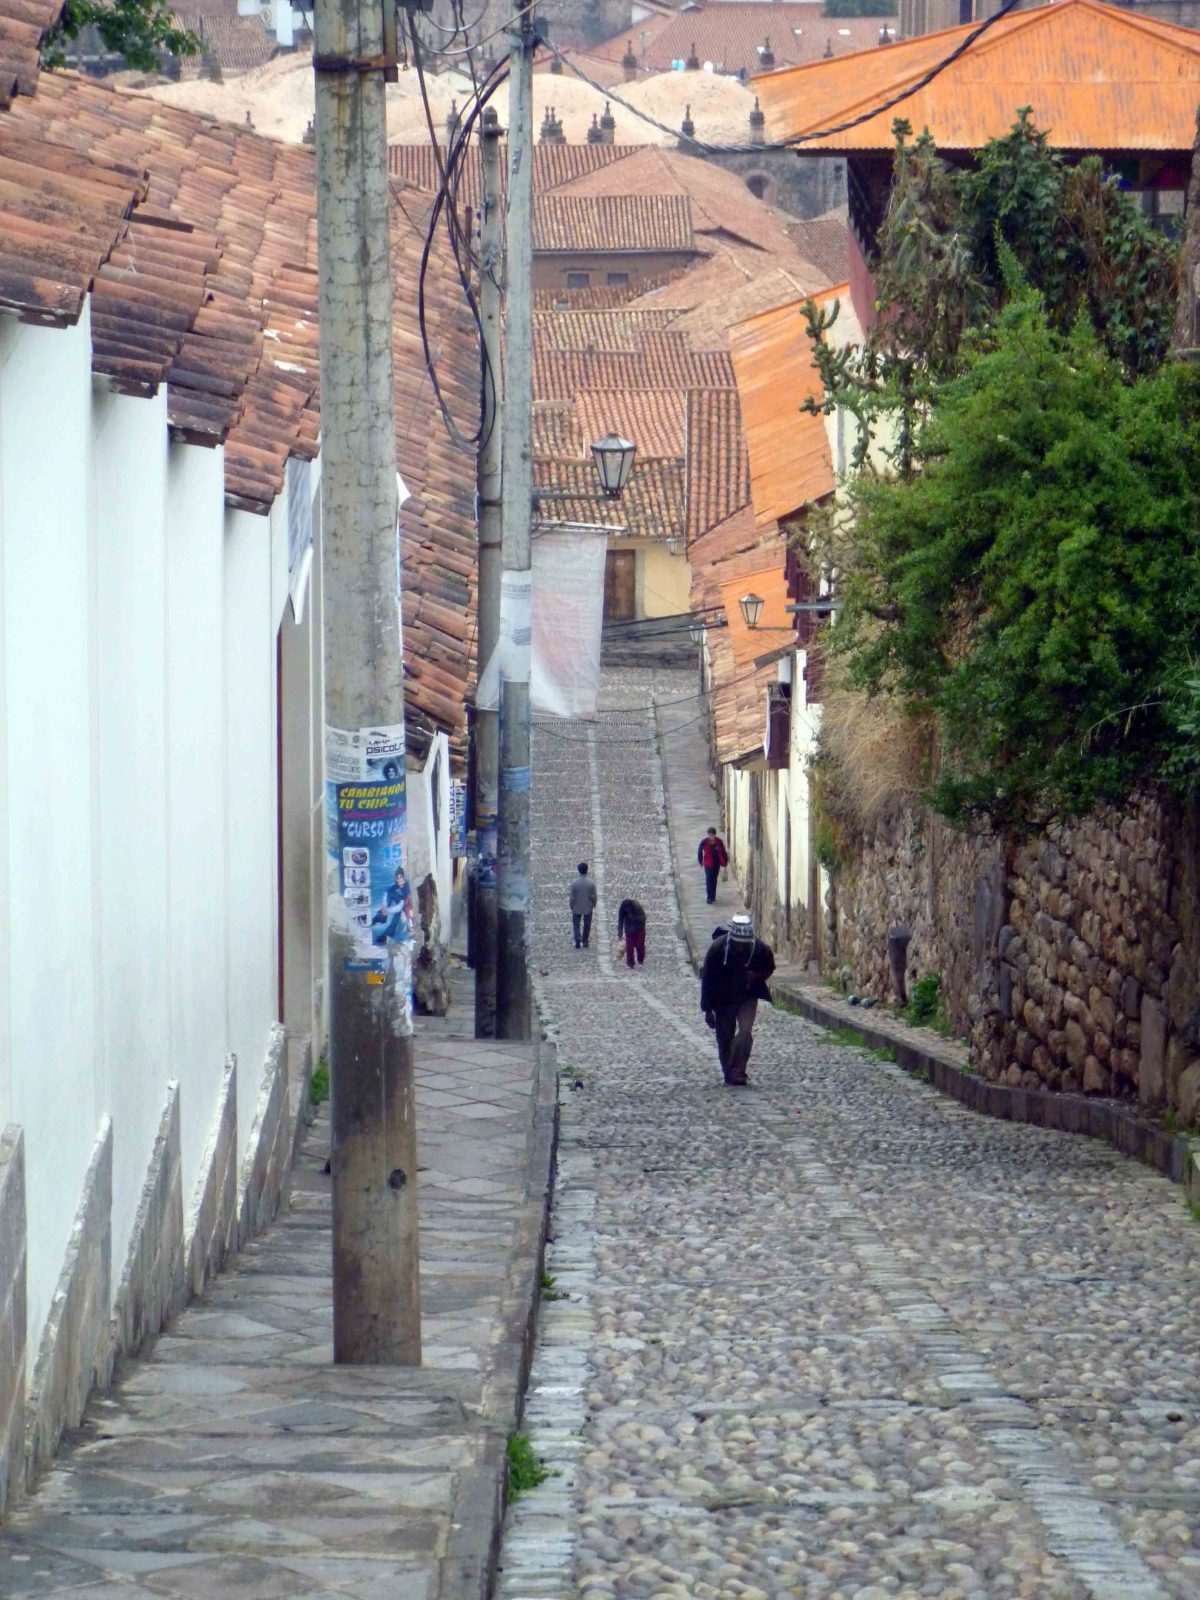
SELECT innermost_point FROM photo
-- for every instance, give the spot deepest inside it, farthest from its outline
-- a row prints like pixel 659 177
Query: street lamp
pixel 696 633
pixel 614 460
pixel 751 605
pixel 673 543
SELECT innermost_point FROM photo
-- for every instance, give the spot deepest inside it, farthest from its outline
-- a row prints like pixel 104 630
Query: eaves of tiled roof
pixel 734 556
pixel 553 166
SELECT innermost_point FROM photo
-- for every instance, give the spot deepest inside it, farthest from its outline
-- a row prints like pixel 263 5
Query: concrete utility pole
pixel 487 718
pixel 376 1292
pixel 516 616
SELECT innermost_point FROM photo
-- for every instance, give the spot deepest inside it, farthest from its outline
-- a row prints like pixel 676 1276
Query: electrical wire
pixel 487 37
pixel 799 138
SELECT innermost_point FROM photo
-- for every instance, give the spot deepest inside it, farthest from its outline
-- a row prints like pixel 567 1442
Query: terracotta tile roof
pixel 825 241
pixel 718 468
pixel 729 33
pixel 556 432
pixel 652 504
pixel 23 26
pixel 599 330
pixel 655 419
pixel 725 562
pixel 725 303
pixel 601 297
pixel 1097 78
pixel 437 522
pixel 610 223
pixel 664 361
pixel 790 460
pixel 553 166
pixel 238 44
pixel 722 206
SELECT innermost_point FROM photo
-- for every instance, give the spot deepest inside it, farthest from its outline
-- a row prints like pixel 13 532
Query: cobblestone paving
pixel 832 1336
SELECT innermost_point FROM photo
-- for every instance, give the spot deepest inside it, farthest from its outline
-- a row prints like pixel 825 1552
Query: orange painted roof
pixel 1097 78
pixel 774 625
pixel 790 463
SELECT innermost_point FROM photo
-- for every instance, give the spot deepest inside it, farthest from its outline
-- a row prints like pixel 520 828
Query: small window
pixel 578 280
pixel 618 280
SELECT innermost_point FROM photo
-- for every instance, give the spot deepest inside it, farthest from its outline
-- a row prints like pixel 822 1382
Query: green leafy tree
pixel 1034 580
pixel 140 30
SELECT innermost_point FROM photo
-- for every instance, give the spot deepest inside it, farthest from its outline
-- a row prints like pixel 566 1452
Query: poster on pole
pixel 458 818
pixel 367 843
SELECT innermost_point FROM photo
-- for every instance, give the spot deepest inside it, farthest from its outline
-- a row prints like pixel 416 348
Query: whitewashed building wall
pixel 141 896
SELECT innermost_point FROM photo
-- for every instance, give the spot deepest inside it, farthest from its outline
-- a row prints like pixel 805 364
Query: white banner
pixel 568 613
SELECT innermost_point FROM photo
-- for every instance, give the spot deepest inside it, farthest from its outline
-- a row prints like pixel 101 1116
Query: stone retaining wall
pixel 1072 962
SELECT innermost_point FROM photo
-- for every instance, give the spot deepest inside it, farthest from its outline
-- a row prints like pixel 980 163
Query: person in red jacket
pixel 712 856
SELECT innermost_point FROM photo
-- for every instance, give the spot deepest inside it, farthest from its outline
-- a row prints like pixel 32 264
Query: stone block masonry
pixel 211 1229
pixel 1071 960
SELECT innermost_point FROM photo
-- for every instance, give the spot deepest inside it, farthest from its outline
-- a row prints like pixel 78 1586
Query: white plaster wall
pixel 195 952
pixel 252 833
pixel 10 331
pixel 129 443
pixel 49 750
pixel 429 848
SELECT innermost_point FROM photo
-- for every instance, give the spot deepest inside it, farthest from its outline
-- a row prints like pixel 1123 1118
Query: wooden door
pixel 620 586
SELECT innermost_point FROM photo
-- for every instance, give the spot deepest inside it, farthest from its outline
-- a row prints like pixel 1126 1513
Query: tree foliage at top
pixel 1076 237
pixel 140 30
pixel 1018 554
pixel 1035 582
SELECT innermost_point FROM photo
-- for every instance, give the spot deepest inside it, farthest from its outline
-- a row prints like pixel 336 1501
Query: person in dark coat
pixel 631 926
pixel 712 856
pixel 732 982
pixel 583 903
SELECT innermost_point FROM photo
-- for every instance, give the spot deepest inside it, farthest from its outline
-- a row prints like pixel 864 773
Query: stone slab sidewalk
pixel 233 1461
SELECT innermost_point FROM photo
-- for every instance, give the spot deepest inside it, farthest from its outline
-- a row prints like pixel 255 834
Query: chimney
pixel 758 124
pixel 608 126
pixel 885 34
pixel 766 56
pixel 556 66
pixel 829 49
pixel 310 133
pixel 693 60
pixel 452 122
pixel 594 136
pixel 629 62
pixel 687 132
pixel 545 135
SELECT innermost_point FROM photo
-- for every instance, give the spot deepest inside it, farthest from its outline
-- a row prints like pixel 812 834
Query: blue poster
pixel 366 822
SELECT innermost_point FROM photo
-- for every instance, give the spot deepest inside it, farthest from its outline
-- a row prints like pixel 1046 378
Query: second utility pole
pixel 516 605
pixel 487 718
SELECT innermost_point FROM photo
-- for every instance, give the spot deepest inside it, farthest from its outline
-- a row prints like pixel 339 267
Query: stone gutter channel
pixel 944 1063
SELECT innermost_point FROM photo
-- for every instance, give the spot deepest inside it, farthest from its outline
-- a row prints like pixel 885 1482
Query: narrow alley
pixel 832 1336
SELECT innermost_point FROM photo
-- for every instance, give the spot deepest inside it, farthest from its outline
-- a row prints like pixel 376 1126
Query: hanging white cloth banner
pixel 568 613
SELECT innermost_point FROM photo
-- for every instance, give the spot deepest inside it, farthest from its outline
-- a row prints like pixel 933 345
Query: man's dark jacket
pixel 735 970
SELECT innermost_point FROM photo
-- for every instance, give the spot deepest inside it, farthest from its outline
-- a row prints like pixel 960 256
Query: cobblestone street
pixel 832 1336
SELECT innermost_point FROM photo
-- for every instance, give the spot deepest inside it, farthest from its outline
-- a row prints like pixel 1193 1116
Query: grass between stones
pixel 318 1089
pixel 525 1471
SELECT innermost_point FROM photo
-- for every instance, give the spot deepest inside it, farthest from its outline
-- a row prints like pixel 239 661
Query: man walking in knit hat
pixel 732 982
